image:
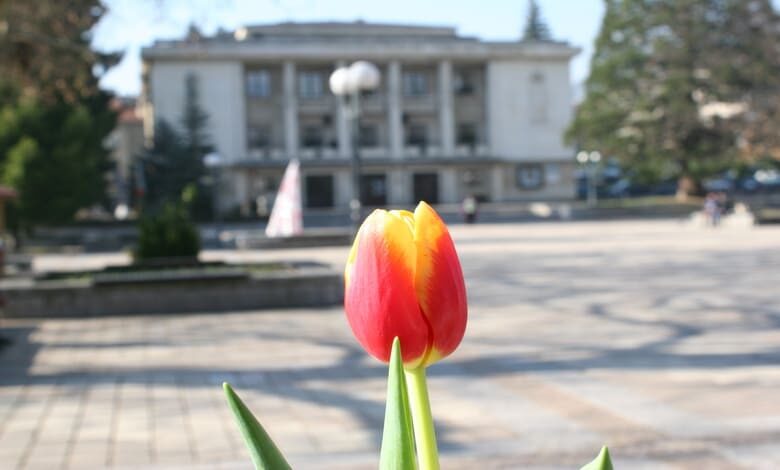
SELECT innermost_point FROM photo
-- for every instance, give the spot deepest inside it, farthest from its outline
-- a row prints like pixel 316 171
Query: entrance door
pixel 319 191
pixel 373 189
pixel 426 187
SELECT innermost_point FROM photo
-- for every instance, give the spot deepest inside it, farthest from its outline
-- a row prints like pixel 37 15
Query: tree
pixel 53 116
pixel 53 155
pixel 45 50
pixel 173 167
pixel 535 27
pixel 664 95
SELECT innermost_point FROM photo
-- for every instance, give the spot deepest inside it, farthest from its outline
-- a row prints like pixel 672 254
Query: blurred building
pixel 453 116
pixel 125 142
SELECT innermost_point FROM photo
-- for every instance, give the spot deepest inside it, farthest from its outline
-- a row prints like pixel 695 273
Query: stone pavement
pixel 657 338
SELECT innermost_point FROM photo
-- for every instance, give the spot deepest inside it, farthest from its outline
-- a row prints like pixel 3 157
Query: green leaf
pixel 265 454
pixel 397 438
pixel 601 462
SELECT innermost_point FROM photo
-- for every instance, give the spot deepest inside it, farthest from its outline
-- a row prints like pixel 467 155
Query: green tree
pixel 53 116
pixel 53 155
pixel 45 50
pixel 173 168
pixel 663 94
pixel 535 27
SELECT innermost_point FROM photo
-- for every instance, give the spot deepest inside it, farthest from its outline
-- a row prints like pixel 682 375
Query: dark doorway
pixel 373 190
pixel 319 191
pixel 426 187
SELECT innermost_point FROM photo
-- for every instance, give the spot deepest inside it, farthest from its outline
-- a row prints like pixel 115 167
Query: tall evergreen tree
pixel 173 167
pixel 535 27
pixel 664 95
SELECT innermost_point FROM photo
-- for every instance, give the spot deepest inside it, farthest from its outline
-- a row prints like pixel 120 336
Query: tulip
pixel 403 279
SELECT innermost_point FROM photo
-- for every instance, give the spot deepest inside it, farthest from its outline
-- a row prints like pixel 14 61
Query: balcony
pixel 318 153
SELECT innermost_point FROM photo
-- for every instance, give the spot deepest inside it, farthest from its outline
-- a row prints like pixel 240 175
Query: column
pixel 448 181
pixel 398 191
pixel 395 133
pixel 497 184
pixel 446 118
pixel 290 103
pixel 342 123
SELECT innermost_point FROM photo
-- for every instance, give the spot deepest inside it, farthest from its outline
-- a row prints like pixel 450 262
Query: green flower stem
pixel 422 421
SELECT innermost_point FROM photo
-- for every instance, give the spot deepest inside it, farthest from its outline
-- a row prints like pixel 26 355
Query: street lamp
pixel 593 158
pixel 347 83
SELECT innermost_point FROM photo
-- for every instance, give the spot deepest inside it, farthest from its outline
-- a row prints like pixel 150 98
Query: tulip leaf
pixel 601 462
pixel 265 454
pixel 397 438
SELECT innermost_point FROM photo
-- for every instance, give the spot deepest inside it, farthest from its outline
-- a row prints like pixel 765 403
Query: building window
pixel 417 135
pixel 319 191
pixel 552 173
pixel 464 84
pixel 310 85
pixel 369 135
pixel 415 84
pixel 258 84
pixel 529 177
pixel 373 190
pixel 259 137
pixel 312 137
pixel 467 134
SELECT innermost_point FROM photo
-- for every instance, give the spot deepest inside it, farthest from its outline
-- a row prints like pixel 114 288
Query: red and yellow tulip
pixel 403 279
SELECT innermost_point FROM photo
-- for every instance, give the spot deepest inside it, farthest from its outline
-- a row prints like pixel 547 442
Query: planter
pixel 230 288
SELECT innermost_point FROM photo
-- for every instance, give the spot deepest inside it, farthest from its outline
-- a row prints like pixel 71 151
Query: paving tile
pixel 657 338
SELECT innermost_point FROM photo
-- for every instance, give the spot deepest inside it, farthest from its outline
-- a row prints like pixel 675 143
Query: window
pixel 552 173
pixel 258 84
pixel 464 84
pixel 310 85
pixel 312 137
pixel 319 191
pixel 417 135
pixel 415 84
pixel 529 176
pixel 369 136
pixel 373 190
pixel 467 134
pixel 259 137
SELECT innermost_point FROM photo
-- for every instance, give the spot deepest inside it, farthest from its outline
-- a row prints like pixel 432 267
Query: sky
pixel 130 25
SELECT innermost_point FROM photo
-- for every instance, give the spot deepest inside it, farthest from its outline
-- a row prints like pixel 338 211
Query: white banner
pixel 286 216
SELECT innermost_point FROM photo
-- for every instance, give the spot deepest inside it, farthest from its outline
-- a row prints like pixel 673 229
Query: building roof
pixel 349 29
pixel 339 40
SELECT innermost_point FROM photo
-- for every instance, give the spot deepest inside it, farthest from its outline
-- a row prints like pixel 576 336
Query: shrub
pixel 168 234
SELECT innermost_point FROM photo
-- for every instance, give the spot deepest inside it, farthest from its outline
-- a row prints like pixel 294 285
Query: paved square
pixel 657 338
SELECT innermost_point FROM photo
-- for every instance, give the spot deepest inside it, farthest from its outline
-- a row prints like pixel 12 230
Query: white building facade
pixel 452 117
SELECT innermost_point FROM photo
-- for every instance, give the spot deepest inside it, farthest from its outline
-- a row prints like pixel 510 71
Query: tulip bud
pixel 403 279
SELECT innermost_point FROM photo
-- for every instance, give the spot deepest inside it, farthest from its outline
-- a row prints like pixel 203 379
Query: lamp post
pixel 590 161
pixel 347 83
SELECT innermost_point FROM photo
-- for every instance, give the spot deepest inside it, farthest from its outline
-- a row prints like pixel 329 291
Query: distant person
pixel 261 206
pixel 469 208
pixel 712 209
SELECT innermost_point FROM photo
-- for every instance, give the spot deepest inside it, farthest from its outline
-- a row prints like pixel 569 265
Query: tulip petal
pixel 441 290
pixel 380 298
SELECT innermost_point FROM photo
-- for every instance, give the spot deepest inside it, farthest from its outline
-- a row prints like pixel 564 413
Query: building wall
pixel 527 118
pixel 221 94
pixel 520 106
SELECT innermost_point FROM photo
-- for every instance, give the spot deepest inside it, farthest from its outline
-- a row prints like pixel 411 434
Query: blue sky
pixel 132 24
